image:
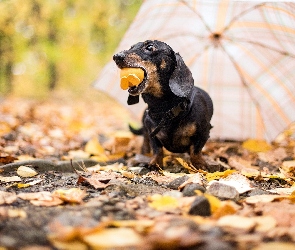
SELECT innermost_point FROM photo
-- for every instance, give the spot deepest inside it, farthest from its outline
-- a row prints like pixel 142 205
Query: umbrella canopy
pixel 242 53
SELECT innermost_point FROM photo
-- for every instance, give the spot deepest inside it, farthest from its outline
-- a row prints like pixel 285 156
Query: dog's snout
pixel 119 57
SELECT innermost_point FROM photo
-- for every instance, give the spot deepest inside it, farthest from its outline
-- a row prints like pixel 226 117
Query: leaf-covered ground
pixel 71 177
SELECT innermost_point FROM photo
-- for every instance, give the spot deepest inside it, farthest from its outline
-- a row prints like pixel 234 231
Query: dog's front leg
pixel 197 158
pixel 157 148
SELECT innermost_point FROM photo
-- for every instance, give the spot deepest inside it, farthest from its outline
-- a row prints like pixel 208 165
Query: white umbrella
pixel 242 53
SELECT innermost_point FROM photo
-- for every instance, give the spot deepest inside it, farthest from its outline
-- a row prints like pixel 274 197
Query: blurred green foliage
pixel 54 44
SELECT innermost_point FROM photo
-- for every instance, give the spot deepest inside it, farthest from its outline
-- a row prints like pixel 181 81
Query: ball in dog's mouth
pixel 131 77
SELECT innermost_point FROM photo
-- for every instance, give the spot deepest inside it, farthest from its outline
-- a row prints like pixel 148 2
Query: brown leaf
pixel 41 199
pixel 113 238
pixel 7 159
pixel 73 195
pixel 7 197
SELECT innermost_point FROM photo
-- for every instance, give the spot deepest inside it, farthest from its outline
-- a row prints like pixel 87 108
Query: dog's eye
pixel 150 47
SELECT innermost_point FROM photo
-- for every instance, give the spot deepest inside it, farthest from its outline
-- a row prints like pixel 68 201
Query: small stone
pixel 189 189
pixel 216 244
pixel 200 206
pixel 223 191
pixel 257 191
pixel 177 182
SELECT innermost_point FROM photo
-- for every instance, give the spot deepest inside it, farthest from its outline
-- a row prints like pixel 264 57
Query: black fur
pixel 178 113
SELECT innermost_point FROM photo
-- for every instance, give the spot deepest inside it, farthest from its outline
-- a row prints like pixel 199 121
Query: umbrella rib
pixel 243 81
pixel 197 13
pixel 285 53
pixel 241 14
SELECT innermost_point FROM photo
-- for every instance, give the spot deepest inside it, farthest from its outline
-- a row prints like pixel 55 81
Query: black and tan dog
pixel 178 113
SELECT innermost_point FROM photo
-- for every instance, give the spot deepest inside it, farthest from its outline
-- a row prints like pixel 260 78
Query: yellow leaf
pixel 163 203
pixel 215 203
pixel 73 195
pixel 226 208
pixel 93 147
pixel 217 175
pixel 256 145
pixel 23 185
pixel 186 165
pixel 113 238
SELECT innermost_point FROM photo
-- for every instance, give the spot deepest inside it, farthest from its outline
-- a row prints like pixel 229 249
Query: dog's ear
pixel 181 81
pixel 132 99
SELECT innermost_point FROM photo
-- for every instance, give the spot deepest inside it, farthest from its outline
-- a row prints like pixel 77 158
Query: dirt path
pixel 113 201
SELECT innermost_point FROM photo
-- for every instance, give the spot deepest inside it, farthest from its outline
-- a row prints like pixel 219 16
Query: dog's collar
pixel 174 112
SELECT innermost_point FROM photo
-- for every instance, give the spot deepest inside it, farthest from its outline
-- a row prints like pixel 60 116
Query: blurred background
pixel 55 45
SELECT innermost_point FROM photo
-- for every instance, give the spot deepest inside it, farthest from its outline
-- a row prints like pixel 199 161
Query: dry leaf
pixel 70 245
pixel 261 198
pixel 236 222
pixel 99 180
pixel 10 179
pixel 186 165
pixel 93 147
pixel 25 171
pixel 113 238
pixel 288 169
pixel 163 203
pixel 225 208
pixel 264 223
pixel 7 197
pixel 73 195
pixel 215 203
pixel 217 175
pixel 12 213
pixel 256 145
pixel 275 246
pixel 41 199
pixel 238 181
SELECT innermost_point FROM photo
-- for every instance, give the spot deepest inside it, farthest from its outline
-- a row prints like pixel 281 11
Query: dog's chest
pixel 177 138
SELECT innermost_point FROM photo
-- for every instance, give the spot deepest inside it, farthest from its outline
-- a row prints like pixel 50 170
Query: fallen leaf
pixel 283 191
pixel 22 185
pixel 238 181
pixel 41 199
pixel 217 175
pixel 12 213
pixel 275 246
pixel 113 238
pixel 163 203
pixel 215 203
pixel 186 165
pixel 236 222
pixel 69 245
pixel 73 195
pixel 93 147
pixel 256 145
pixel 7 197
pixel 78 154
pixel 262 198
pixel 264 223
pixel 99 180
pixel 288 169
pixel 10 179
pixel 224 208
pixel 7 159
pixel 25 171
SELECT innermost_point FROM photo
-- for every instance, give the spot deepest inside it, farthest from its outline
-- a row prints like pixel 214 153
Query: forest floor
pixel 72 177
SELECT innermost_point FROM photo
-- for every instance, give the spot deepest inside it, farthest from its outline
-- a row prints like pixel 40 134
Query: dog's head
pixel 164 70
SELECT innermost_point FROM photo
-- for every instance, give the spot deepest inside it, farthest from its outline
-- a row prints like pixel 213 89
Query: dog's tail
pixel 136 131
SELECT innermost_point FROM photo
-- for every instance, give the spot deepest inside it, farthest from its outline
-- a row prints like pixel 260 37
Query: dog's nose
pixel 119 57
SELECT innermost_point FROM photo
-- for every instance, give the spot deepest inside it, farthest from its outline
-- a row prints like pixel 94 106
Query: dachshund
pixel 178 113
